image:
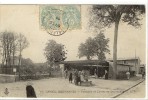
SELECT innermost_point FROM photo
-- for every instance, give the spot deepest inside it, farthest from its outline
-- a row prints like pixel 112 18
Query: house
pixel 142 68
pixel 134 62
pixel 121 70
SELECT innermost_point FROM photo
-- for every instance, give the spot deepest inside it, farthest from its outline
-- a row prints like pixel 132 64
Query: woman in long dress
pixel 30 92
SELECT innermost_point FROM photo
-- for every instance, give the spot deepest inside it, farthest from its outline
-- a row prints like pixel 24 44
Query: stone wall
pixel 4 78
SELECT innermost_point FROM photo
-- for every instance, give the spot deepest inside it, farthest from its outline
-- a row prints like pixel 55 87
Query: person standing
pixel 143 74
pixel 76 77
pixel 66 73
pixel 128 75
pixel 106 74
pixel 79 77
pixel 30 92
pixel 70 77
pixel 95 73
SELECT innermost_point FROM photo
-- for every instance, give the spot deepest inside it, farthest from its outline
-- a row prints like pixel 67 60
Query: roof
pixel 125 65
pixel 86 62
pixel 142 65
pixel 131 58
pixel 111 63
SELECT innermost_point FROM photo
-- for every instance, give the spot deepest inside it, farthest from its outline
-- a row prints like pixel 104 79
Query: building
pixel 142 68
pixel 91 65
pixel 133 62
pixel 121 70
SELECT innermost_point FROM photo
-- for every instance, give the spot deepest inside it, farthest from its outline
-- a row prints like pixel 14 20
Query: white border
pixel 88 2
pixel 146 86
pixel 73 1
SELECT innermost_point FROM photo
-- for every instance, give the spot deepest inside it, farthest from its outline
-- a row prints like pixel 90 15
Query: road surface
pixel 135 92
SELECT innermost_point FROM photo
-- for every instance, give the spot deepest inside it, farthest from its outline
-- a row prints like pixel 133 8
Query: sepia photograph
pixel 73 51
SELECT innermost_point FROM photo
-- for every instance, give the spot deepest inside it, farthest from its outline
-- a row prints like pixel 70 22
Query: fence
pixel 7 70
pixel 25 76
pixel 34 77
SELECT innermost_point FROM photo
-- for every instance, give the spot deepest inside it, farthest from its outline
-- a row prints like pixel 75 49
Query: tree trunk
pixel 3 59
pixel 19 66
pixel 13 59
pixel 13 53
pixel 115 49
pixel 20 57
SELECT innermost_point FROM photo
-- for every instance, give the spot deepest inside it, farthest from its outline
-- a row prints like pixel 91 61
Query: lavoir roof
pixel 86 62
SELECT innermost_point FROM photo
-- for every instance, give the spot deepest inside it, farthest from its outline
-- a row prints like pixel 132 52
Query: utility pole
pixel 135 63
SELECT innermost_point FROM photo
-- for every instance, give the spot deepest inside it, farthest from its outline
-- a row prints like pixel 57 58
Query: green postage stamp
pixel 56 20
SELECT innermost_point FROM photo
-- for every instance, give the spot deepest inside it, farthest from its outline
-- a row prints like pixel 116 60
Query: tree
pixel 8 45
pixel 22 44
pixel 96 46
pixel 101 46
pixel 54 52
pixel 12 44
pixel 87 49
pixel 27 67
pixel 103 16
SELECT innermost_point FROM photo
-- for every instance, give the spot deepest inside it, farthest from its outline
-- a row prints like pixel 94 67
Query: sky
pixel 25 19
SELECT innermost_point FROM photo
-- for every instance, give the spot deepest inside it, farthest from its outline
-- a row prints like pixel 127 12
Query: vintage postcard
pixel 73 51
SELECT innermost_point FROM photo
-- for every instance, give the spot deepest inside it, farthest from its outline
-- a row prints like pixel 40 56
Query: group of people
pixel 76 76
pixel 128 74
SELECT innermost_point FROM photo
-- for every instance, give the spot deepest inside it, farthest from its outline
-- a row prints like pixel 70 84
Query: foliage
pixel 54 52
pixel 105 15
pixel 22 42
pixel 10 43
pixel 27 68
pixel 87 48
pixel 96 46
pixel 41 68
pixel 101 46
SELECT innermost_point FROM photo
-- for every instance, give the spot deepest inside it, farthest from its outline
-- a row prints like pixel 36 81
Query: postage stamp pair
pixel 56 20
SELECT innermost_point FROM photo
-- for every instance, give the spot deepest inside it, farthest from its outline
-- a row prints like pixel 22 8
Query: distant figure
pixel 66 73
pixel 76 77
pixel 95 73
pixel 128 75
pixel 30 91
pixel 82 77
pixel 85 77
pixel 70 78
pixel 143 74
pixel 106 74
pixel 79 77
